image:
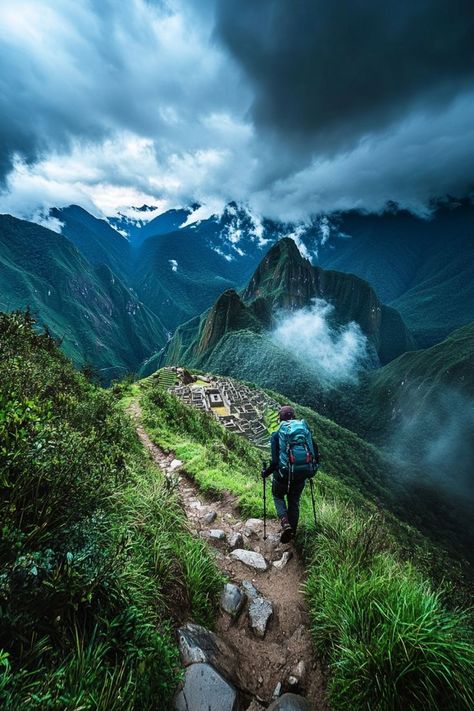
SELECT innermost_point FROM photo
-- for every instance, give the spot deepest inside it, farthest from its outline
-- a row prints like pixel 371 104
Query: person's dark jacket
pixel 275 445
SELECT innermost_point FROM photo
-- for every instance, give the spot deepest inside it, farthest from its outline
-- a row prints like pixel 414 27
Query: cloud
pixel 329 72
pixel 333 354
pixel 434 440
pixel 290 108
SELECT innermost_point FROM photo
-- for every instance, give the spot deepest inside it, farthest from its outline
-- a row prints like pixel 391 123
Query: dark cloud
pixel 331 70
pixel 292 107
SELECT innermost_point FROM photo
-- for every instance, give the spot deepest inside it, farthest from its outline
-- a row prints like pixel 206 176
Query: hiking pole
pixel 312 499
pixel 264 466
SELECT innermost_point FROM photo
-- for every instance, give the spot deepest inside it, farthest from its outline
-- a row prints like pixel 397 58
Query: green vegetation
pixel 423 268
pixel 387 635
pixel 391 641
pixel 98 320
pixel 96 561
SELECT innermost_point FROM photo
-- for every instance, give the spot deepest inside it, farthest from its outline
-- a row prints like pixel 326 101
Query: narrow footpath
pixel 262 633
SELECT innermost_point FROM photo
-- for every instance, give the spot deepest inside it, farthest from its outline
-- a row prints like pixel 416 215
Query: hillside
pixel 353 559
pixel 95 582
pixel 447 366
pixel 97 318
pixel 423 268
pixel 95 239
pixel 236 336
pixel 97 564
pixel 179 274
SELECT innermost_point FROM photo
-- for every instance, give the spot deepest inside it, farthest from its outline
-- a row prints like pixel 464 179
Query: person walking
pixel 295 458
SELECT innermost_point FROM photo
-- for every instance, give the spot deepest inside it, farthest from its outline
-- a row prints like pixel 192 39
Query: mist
pixel 335 354
pixel 433 441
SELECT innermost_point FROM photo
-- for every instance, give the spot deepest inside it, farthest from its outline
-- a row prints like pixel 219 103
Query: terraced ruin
pixel 240 408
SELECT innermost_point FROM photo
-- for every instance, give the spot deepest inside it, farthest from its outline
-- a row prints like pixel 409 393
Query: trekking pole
pixel 264 466
pixel 312 499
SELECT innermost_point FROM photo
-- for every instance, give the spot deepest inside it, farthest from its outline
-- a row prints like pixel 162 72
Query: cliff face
pixel 286 280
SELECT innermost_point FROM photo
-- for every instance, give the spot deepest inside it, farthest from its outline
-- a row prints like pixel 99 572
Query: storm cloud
pixel 330 71
pixel 294 108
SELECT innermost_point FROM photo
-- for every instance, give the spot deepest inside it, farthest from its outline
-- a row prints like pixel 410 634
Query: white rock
pixel 287 555
pixel 250 590
pixel 250 558
pixel 277 690
pixel 175 464
pixel 254 524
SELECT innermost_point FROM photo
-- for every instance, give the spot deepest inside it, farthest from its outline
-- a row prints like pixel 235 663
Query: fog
pixel 433 441
pixel 335 354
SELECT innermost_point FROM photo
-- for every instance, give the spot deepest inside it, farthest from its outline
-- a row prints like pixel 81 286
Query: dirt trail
pixel 263 662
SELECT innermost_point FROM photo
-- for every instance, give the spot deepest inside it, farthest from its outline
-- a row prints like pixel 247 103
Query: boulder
pixel 236 541
pixel 197 644
pixel 175 464
pixel 209 518
pixel 232 599
pixel 204 689
pixel 260 612
pixel 217 534
pixel 250 590
pixel 250 558
pixel 289 702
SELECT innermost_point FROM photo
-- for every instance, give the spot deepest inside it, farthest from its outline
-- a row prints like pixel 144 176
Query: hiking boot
pixel 286 530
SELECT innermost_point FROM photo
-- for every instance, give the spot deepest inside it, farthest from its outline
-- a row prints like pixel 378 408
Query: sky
pixel 294 108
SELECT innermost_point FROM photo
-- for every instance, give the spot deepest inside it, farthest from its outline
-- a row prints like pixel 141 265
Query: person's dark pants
pixel 287 503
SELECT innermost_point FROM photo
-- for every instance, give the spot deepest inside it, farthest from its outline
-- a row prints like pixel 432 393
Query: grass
pixel 97 564
pixel 390 639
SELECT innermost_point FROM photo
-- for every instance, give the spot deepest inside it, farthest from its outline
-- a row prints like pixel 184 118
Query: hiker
pixel 294 459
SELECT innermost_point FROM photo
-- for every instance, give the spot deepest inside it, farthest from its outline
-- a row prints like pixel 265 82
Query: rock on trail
pixel 250 558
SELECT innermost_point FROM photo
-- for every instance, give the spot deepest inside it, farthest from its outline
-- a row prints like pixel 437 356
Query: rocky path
pixel 261 644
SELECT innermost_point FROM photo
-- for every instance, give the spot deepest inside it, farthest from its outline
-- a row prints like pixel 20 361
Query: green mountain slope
pixel 423 268
pixel 98 319
pixel 234 338
pixel 448 365
pixel 178 275
pixel 95 239
pixel 420 409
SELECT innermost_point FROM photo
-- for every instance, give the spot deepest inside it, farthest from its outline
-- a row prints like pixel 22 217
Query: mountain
pixel 420 409
pixel 446 367
pixel 234 337
pixel 423 268
pixel 180 274
pixel 95 239
pixel 98 319
pixel 137 227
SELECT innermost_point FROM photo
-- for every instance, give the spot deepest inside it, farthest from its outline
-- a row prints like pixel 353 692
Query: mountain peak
pixel 282 271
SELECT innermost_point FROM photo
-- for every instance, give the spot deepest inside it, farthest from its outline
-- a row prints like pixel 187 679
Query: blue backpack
pixel 298 460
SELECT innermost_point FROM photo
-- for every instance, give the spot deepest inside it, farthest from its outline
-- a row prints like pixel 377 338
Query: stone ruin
pixel 238 407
